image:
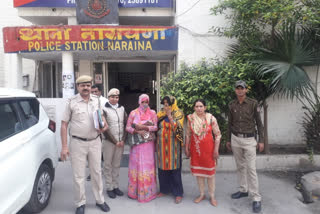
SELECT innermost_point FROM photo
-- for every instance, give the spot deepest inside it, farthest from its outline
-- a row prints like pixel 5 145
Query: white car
pixel 28 152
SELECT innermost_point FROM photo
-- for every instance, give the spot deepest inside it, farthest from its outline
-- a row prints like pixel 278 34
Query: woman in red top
pixel 203 148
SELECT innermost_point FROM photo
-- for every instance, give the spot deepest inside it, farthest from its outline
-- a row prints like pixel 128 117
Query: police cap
pixel 84 79
pixel 241 83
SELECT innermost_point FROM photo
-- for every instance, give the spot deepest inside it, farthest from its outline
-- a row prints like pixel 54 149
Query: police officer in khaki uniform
pixel 85 143
pixel 113 145
pixel 244 116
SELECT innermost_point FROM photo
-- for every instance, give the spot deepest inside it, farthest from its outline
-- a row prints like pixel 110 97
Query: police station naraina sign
pixel 89 38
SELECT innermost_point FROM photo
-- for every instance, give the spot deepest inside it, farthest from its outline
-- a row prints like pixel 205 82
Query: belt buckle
pixel 241 135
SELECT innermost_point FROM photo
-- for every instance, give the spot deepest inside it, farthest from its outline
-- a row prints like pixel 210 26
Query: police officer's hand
pixel 64 154
pixel 260 147
pixel 120 144
pixel 229 146
pixel 104 128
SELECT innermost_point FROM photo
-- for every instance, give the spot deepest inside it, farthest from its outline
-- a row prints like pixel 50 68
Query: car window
pixel 30 110
pixel 9 123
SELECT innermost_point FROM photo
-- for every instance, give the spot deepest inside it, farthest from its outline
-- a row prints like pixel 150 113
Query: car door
pixel 14 163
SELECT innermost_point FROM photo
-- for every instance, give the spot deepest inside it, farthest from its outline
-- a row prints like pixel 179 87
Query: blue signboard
pixel 72 3
pixel 146 3
pixel 44 3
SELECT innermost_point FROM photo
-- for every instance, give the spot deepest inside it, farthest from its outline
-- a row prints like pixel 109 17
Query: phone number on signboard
pixel 139 1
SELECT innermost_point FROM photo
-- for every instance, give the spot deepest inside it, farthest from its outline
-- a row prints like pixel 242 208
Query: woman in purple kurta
pixel 142 171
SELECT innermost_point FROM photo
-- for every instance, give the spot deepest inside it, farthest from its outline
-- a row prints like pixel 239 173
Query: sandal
pixel 178 200
pixel 198 199
pixel 160 194
pixel 213 202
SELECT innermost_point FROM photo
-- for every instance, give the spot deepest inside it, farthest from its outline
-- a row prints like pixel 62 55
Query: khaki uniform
pixel 242 120
pixel 85 145
pixel 116 119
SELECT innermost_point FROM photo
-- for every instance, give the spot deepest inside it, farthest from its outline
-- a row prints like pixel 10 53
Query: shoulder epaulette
pixel 252 100
pixel 73 97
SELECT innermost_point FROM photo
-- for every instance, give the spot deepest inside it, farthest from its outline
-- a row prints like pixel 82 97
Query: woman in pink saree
pixel 142 171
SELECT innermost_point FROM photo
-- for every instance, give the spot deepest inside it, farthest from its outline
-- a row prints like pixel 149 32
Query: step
pixel 281 162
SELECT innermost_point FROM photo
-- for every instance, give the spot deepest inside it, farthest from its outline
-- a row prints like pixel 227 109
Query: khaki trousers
pixel 244 151
pixel 80 152
pixel 112 155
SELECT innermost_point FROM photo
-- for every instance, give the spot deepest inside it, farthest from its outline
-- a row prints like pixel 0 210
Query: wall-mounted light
pixel 25 80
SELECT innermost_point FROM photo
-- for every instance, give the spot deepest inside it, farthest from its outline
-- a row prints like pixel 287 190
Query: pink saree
pixel 142 171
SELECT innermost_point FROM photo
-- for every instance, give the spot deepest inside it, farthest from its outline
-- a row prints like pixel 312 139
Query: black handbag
pixel 136 139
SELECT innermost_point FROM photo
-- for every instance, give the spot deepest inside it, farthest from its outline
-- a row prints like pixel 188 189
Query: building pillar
pixel 15 71
pixel 68 83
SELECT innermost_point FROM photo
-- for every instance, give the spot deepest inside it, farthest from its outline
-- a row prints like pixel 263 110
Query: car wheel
pixel 41 190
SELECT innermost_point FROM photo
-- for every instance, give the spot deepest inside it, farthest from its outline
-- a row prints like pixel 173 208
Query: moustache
pixel 85 90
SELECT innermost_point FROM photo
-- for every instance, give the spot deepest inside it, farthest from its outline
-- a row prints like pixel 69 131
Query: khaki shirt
pixel 244 117
pixel 79 114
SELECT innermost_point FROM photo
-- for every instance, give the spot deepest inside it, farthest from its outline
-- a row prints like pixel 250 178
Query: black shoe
pixel 88 178
pixel 256 206
pixel 104 207
pixel 111 194
pixel 239 194
pixel 80 210
pixel 118 192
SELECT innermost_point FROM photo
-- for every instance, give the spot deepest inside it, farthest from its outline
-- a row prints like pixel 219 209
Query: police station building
pixel 126 44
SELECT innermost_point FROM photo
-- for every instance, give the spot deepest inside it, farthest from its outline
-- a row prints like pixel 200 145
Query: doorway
pixel 133 79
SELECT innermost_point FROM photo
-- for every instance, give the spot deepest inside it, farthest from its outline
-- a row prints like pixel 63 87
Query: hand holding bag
pixel 136 139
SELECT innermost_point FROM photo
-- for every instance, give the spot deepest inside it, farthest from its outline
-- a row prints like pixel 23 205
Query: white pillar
pixel 15 71
pixel 68 82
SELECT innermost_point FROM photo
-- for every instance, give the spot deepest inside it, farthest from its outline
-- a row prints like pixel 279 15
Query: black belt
pixel 243 135
pixel 84 139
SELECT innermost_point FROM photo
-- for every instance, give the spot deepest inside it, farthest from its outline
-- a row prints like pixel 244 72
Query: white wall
pixel 283 122
pixel 195 40
pixel 9 17
pixel 285 117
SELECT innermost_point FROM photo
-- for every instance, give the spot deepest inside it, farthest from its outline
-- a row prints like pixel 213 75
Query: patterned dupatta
pixel 200 126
